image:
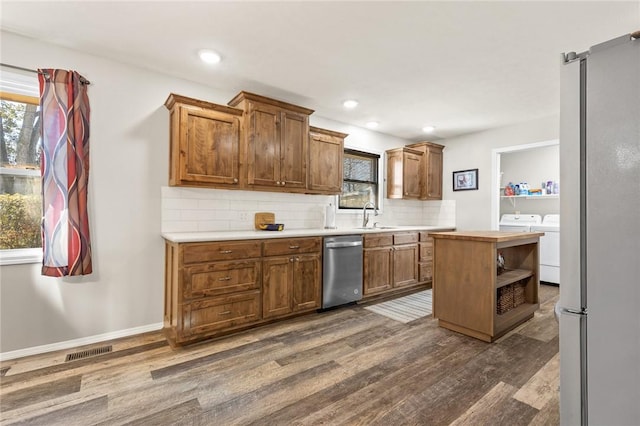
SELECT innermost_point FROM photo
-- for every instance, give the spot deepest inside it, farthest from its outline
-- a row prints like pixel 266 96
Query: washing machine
pixel 519 222
pixel 549 248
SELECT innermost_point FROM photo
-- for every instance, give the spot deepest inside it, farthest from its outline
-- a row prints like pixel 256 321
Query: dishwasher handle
pixel 343 244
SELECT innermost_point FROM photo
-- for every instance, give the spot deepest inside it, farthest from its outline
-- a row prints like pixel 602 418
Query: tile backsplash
pixel 200 209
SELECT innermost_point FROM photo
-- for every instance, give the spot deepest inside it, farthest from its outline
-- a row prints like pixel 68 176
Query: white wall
pixel 533 166
pixel 129 167
pixel 474 151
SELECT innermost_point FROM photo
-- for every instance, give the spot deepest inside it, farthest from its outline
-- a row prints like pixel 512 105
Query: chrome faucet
pixel 365 216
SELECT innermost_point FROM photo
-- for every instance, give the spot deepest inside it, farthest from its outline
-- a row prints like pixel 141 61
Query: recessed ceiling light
pixel 209 56
pixel 372 124
pixel 350 103
pixel 428 129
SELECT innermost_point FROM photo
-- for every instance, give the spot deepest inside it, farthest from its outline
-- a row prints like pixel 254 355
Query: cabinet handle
pixel 225 313
pixel 235 180
pixel 226 251
pixel 224 279
pixel 297 259
pixel 283 183
pixel 278 183
pixel 294 247
pixel 291 259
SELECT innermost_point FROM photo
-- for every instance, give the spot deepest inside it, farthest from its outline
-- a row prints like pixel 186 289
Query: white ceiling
pixel 461 66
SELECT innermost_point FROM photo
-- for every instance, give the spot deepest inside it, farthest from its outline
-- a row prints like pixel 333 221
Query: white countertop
pixel 192 237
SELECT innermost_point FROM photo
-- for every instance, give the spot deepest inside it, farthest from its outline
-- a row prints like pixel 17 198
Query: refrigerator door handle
pixel 573 311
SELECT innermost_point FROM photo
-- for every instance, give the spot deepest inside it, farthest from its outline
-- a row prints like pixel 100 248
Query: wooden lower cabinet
pixel 291 284
pixel 218 287
pixel 405 265
pixel 377 270
pixel 307 282
pixel 277 286
pixel 390 262
pixel 425 258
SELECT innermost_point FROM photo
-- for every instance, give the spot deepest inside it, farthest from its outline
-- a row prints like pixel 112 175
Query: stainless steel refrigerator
pixel 600 235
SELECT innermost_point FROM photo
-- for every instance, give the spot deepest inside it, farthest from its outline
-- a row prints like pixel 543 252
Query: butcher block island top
pixel 470 295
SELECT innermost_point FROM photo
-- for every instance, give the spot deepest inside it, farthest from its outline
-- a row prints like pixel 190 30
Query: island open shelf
pixel 467 288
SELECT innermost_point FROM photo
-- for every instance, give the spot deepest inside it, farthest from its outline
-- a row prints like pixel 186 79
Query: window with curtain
pixel 64 110
pixel 360 179
pixel 20 188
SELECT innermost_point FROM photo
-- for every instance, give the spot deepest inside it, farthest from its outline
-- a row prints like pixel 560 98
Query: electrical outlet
pixel 244 216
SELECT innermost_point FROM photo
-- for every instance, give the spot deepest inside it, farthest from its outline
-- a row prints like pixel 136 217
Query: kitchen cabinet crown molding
pixel 242 96
pixel 314 129
pixel 175 98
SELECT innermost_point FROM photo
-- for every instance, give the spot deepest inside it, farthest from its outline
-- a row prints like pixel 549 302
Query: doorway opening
pixel 496 178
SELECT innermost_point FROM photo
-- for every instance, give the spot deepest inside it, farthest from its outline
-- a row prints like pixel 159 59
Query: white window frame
pixel 13 82
pixel 381 182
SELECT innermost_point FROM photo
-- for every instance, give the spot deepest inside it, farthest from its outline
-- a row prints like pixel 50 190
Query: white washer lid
pixel 521 219
pixel 551 219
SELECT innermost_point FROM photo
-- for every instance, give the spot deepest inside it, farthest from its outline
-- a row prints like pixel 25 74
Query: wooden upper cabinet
pixel 405 176
pixel 432 169
pixel 326 151
pixel 294 145
pixel 204 143
pixel 277 141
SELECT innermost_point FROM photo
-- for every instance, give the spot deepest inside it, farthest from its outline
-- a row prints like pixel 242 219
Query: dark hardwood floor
pixel 341 367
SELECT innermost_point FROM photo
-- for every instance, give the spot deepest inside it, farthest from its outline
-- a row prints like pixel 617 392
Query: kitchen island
pixel 470 296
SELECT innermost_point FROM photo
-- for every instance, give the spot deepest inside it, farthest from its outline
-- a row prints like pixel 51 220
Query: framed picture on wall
pixel 464 180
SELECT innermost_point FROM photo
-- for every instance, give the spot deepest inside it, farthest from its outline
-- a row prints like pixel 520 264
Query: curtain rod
pixel 82 79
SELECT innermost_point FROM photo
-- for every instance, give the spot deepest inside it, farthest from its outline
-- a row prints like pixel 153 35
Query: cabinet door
pixel 425 272
pixel 325 163
pixel 209 143
pixel 434 174
pixel 277 286
pixel 294 141
pixel 307 290
pixel 263 147
pixel 394 174
pixel 377 270
pixel 405 265
pixel 412 176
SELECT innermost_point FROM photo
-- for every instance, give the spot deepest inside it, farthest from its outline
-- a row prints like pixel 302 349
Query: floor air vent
pixel 88 353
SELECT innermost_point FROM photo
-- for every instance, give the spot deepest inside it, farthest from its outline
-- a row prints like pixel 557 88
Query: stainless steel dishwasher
pixel 341 270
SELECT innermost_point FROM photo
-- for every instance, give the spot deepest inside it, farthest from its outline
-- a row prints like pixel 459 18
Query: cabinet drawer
pixel 426 251
pixel 378 240
pixel 292 246
pixel 405 238
pixel 218 313
pixel 424 237
pixel 425 271
pixel 214 279
pixel 227 250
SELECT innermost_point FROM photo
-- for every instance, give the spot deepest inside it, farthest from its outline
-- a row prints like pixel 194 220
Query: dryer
pixel 549 248
pixel 519 222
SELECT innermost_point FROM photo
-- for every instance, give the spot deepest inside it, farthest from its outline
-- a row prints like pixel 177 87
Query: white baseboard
pixel 4 356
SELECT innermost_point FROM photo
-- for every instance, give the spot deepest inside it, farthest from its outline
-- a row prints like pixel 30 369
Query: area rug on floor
pixel 405 309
